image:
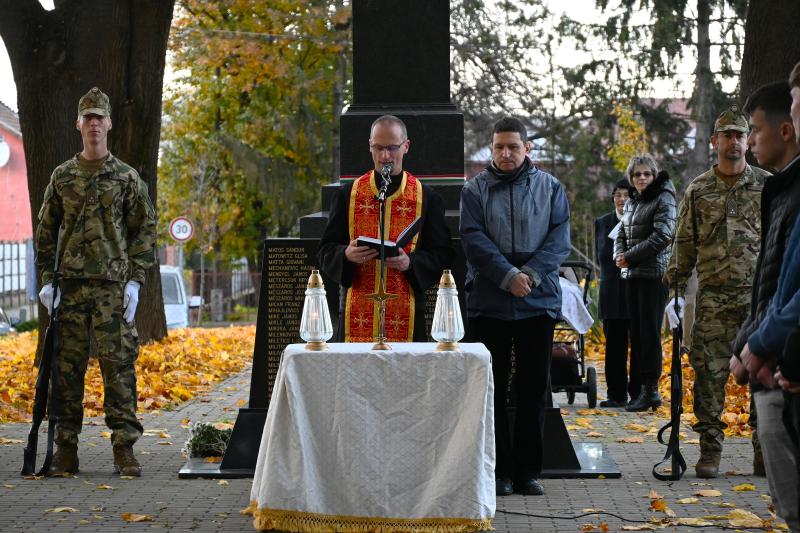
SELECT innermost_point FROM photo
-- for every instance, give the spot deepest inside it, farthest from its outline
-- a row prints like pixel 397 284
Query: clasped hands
pixel 361 254
pixel 764 370
pixel 621 262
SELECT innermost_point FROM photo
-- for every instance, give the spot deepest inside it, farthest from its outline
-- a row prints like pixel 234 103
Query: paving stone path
pixel 210 505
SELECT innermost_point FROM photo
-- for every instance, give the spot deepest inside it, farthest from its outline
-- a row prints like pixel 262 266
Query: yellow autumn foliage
pixel 736 412
pixel 631 137
pixel 188 362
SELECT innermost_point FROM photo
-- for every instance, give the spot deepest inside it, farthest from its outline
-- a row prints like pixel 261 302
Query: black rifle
pixel 678 463
pixel 46 383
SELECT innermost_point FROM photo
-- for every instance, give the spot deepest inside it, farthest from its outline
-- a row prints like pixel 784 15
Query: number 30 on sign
pixel 181 229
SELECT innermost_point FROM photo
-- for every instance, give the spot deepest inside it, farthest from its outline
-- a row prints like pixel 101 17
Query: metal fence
pixel 227 296
pixel 17 278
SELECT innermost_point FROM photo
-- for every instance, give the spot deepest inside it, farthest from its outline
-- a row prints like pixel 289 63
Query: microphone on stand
pixel 386 179
pixel 386 171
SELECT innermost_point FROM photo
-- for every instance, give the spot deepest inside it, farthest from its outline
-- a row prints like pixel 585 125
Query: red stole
pixel 361 313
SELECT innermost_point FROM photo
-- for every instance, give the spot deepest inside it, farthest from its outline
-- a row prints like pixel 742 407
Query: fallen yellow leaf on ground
pixel 708 493
pixel 694 522
pixel 688 500
pixel 654 495
pixel 744 487
pixel 631 440
pixel 658 505
pixel 4 440
pixel 594 434
pixel 131 517
pixel 61 510
pixel 722 504
pixel 636 427
pixel 105 487
pixel 742 518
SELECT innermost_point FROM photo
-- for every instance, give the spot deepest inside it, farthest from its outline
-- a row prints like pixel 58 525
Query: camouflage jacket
pixel 105 221
pixel 719 230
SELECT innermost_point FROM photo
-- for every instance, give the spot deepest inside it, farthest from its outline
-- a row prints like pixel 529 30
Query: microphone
pixel 386 179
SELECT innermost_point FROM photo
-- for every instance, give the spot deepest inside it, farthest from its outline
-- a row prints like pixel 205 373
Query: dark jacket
pixel 613 303
pixel 510 225
pixel 648 226
pixel 780 202
pixel 783 314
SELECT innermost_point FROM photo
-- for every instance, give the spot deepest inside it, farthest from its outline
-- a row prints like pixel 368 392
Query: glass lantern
pixel 448 327
pixel 315 324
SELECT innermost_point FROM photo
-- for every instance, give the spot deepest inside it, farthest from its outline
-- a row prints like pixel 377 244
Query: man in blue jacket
pixel 515 232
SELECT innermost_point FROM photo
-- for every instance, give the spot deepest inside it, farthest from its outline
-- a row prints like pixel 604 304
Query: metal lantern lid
pixel 447 280
pixel 315 280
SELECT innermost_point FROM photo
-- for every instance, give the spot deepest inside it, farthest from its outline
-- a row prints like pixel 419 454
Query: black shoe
pixel 530 487
pixel 648 399
pixel 612 403
pixel 504 486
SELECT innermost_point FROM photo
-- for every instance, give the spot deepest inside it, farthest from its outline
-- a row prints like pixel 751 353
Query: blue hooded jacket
pixel 512 224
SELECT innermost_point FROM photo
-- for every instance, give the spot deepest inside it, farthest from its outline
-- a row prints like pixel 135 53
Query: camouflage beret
pixel 95 102
pixel 732 119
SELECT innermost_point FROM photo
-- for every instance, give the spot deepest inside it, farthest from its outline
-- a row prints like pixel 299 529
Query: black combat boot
pixel 708 465
pixel 649 398
pixel 125 464
pixel 65 461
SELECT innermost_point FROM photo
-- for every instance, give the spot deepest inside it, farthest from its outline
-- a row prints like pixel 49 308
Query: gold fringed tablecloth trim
pixel 301 522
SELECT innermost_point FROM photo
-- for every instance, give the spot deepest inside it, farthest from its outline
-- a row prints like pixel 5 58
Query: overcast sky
pixel 581 10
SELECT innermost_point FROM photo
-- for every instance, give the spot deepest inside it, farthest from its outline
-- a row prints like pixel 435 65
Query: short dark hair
pixel 775 99
pixel 794 77
pixel 511 124
pixel 621 184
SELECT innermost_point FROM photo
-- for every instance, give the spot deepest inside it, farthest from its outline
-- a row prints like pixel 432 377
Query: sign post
pixel 181 229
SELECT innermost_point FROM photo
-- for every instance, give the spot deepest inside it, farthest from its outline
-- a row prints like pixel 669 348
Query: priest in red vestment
pixel 419 264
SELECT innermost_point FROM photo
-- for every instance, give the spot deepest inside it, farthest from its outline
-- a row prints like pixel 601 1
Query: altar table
pixel 378 441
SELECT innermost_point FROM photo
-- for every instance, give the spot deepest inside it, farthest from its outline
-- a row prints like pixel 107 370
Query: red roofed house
pixel 15 207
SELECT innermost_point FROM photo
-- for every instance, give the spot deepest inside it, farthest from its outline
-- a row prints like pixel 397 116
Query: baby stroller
pixel 568 370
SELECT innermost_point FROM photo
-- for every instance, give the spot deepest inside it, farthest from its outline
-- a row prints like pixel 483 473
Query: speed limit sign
pixel 181 229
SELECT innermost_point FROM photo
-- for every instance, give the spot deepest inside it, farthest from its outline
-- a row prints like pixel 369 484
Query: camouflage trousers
pixel 718 315
pixel 90 313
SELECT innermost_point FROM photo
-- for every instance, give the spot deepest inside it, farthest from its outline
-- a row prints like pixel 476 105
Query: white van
pixel 176 302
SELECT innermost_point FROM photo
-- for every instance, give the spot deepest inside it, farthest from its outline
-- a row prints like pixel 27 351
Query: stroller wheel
pixel 591 381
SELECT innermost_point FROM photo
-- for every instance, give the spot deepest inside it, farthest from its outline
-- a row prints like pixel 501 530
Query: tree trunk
pixel 57 56
pixel 702 97
pixel 771 44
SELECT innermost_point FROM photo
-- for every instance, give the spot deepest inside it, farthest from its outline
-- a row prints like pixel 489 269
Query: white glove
pixel 46 297
pixel 671 315
pixel 130 301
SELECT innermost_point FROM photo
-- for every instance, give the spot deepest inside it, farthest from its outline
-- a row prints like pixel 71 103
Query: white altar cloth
pixel 399 440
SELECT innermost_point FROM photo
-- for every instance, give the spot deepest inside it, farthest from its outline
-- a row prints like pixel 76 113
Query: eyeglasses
pixel 645 174
pixel 391 148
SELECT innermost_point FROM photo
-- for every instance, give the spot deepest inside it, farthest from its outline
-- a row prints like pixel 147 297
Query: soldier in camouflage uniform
pixel 98 215
pixel 718 233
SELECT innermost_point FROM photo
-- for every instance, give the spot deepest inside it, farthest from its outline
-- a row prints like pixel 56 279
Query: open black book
pixel 392 248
